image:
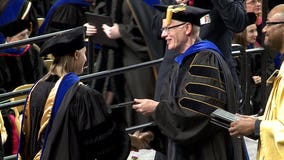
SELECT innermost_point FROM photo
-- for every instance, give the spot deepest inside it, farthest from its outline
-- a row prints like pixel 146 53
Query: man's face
pixel 274 31
pixel 175 35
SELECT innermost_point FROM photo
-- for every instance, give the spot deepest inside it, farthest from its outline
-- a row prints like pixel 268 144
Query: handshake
pixel 141 140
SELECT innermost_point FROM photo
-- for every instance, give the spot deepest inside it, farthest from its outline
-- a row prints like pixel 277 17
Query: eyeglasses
pixel 166 29
pixel 273 23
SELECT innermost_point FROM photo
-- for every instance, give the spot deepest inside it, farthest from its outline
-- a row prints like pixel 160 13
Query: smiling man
pixel 269 128
pixel 200 78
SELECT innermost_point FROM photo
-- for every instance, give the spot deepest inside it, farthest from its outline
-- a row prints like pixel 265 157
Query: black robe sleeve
pixel 65 17
pixel 99 135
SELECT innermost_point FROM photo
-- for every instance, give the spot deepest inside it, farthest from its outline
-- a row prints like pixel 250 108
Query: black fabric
pixel 204 71
pixel 31 16
pixel 16 71
pixel 143 14
pixel 63 44
pixel 8 126
pixel 190 14
pixel 197 106
pixel 66 16
pixel 134 48
pixel 15 27
pixel 257 128
pixel 82 128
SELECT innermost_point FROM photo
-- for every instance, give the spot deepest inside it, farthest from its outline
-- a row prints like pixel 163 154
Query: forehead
pixel 173 22
pixel 252 26
pixel 274 15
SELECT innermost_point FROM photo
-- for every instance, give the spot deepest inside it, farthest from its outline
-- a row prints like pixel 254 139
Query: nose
pixel 255 33
pixel 264 29
pixel 164 34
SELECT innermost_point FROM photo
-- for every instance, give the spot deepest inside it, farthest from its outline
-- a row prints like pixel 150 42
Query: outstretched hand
pixel 244 126
pixel 112 32
pixel 145 106
pixel 141 140
pixel 91 30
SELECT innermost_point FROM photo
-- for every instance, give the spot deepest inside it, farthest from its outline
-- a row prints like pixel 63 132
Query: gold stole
pixel 44 119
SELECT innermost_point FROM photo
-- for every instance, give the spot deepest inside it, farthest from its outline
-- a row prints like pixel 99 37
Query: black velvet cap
pixel 15 27
pixel 66 43
pixel 251 18
pixel 183 13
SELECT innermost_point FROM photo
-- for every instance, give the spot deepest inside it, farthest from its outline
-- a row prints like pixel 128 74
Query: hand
pixel 140 140
pixel 244 126
pixel 256 79
pixel 146 137
pixel 112 32
pixel 91 30
pixel 145 106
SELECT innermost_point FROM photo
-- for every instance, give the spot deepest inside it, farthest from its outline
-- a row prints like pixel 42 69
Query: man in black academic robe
pixel 199 79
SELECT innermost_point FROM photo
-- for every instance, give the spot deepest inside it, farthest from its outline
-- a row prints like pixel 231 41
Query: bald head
pixel 278 11
pixel 274 29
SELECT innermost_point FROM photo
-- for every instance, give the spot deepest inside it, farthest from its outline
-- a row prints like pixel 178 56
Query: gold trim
pixel 26 125
pixel 173 9
pixel 201 95
pixel 183 107
pixel 193 64
pixel 203 84
pixel 200 102
pixel 214 79
pixel 38 155
pixel 48 107
pixel 205 66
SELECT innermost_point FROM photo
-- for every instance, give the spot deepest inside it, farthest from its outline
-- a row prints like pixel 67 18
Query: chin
pixel 170 47
pixel 79 72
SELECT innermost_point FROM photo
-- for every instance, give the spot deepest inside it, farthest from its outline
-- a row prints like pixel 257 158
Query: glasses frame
pixel 273 23
pixel 166 29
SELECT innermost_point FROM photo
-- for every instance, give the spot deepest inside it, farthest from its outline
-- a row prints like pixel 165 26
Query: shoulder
pixel 67 9
pixel 206 57
pixel 85 91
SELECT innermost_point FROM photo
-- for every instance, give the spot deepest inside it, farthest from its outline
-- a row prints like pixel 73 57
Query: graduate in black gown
pixel 65 14
pixel 21 64
pixel 63 118
pixel 200 78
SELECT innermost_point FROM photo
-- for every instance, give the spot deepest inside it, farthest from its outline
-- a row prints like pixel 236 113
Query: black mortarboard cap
pixel 251 18
pixel 183 13
pixel 64 43
pixel 15 27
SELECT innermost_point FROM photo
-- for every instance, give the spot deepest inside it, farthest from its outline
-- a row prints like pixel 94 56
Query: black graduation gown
pixel 16 71
pixel 66 16
pixel 82 129
pixel 133 49
pixel 191 136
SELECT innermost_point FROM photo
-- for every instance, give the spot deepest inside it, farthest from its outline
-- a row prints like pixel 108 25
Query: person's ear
pixel 188 28
pixel 76 54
